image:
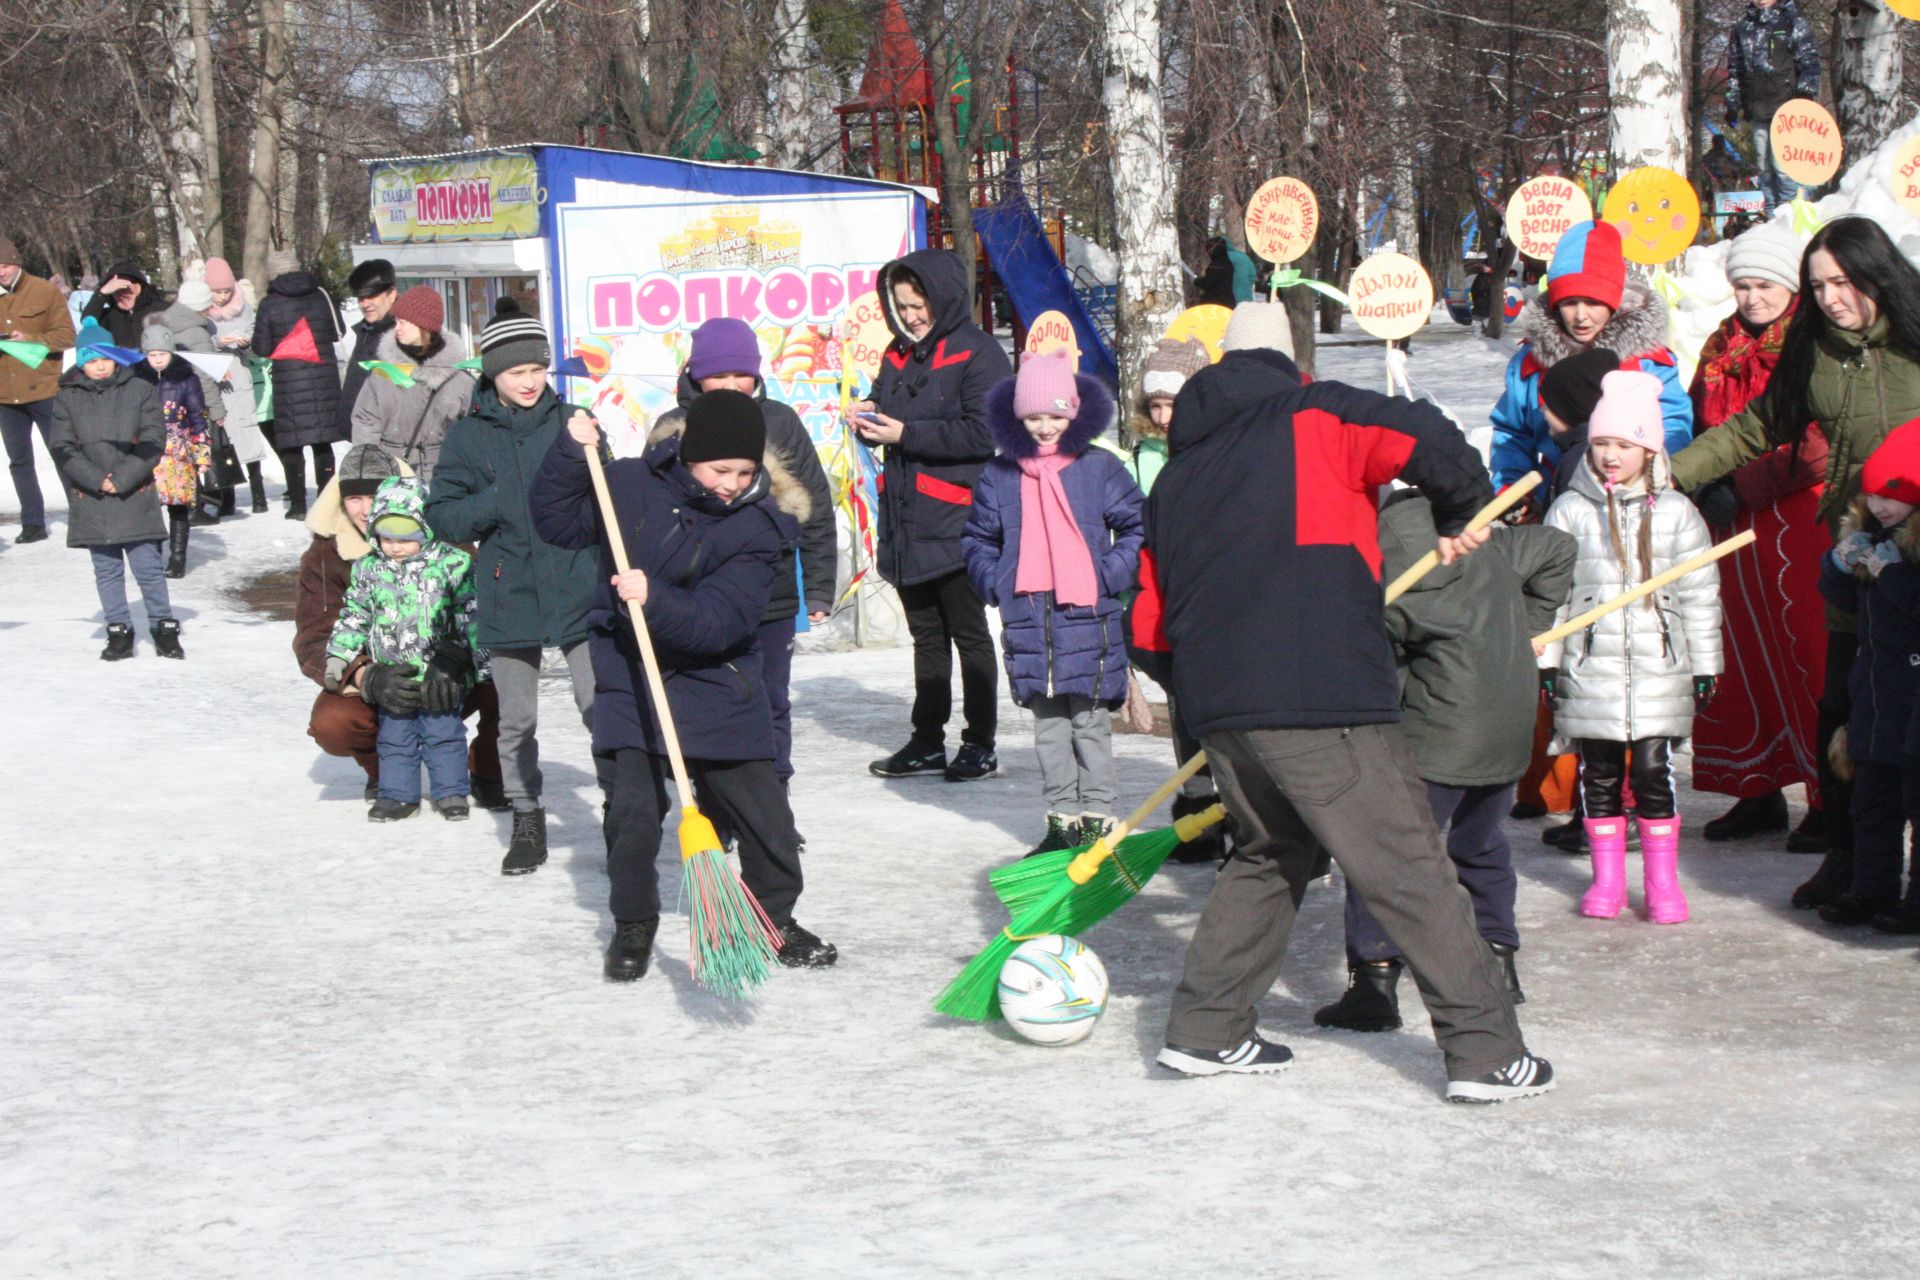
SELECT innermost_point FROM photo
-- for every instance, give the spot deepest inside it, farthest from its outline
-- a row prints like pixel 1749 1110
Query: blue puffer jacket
pixel 1051 648
pixel 709 572
pixel 1885 680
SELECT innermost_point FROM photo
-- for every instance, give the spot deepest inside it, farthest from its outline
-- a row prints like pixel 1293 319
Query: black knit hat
pixel 723 424
pixel 371 278
pixel 365 468
pixel 1572 387
pixel 513 338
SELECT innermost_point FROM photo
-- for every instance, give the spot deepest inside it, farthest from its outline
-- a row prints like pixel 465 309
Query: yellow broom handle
pixel 655 685
pixel 1081 869
pixel 1481 519
pixel 1645 589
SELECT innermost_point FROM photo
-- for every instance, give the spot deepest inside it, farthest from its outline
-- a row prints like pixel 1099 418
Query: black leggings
pixel 1603 768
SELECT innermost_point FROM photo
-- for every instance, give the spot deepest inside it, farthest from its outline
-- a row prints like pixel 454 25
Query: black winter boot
pixel 119 643
pixel 1210 845
pixel 178 530
pixel 1811 835
pixel 385 810
pixel 166 639
pixel 1372 1002
pixel 1852 909
pixel 1514 994
pixel 257 487
pixel 453 808
pixel 631 950
pixel 31 533
pixel 1833 878
pixel 490 793
pixel 528 849
pixel 1063 832
pixel 1752 817
pixel 802 949
pixel 1900 918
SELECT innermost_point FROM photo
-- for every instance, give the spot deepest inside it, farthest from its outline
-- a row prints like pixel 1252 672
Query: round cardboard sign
pixel 1805 142
pixel 1905 178
pixel 866 336
pixel 1909 9
pixel 1541 211
pixel 1207 322
pixel 1392 296
pixel 1052 331
pixel 1282 219
pixel 1657 212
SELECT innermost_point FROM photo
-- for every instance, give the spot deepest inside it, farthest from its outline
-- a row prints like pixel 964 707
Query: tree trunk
pixel 1150 293
pixel 166 230
pixel 1404 218
pixel 791 130
pixel 263 177
pixel 213 210
pixel 1646 86
pixel 1866 74
pixel 956 178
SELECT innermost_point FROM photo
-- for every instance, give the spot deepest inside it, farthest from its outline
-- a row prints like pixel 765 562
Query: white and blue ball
pixel 1053 990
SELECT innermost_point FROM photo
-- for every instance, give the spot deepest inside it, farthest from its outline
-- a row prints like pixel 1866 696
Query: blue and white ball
pixel 1052 990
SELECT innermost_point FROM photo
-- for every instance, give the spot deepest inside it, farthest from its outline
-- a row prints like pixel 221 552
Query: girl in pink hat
pixel 1625 689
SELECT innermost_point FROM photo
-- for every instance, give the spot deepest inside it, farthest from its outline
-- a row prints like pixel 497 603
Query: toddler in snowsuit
pixel 1631 682
pixel 410 605
pixel 188 456
pixel 1873 574
pixel 1053 540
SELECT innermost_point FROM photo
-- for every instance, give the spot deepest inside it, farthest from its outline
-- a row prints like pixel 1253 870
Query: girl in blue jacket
pixel 1053 542
pixel 1589 304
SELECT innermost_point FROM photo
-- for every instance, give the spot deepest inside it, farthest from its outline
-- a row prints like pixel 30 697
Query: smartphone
pixel 867 417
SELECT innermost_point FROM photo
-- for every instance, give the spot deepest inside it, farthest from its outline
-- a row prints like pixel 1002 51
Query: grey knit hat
pixel 281 261
pixel 156 335
pixel 364 468
pixel 1767 252
pixel 1260 326
pixel 512 338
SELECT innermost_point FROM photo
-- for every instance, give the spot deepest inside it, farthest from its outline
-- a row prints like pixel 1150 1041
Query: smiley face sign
pixel 1657 212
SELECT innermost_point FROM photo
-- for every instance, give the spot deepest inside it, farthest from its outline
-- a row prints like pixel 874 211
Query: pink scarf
pixel 231 311
pixel 1053 555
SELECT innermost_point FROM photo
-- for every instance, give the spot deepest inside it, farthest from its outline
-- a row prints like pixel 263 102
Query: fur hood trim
pixel 1010 433
pixel 1637 326
pixel 327 518
pixel 788 493
pixel 1859 520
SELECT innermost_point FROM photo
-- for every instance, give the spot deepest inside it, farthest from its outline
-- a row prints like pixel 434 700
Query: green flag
pixel 27 353
pixel 400 375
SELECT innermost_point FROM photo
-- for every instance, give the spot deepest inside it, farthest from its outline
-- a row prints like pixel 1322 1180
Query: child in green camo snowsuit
pixel 407 624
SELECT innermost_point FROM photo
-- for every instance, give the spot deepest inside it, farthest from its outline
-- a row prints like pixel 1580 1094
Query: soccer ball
pixel 1052 990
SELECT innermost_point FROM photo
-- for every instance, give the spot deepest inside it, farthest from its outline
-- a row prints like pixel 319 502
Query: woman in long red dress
pixel 1757 736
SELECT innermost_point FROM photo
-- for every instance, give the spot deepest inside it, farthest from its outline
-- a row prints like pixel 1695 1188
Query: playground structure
pixel 888 131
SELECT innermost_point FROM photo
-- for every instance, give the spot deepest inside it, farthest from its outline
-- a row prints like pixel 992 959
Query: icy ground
pixel 246 1034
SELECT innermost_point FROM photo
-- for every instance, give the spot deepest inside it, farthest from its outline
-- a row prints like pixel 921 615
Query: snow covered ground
pixel 247 1034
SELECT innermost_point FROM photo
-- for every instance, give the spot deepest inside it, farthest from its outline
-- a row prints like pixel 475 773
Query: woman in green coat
pixel 1853 366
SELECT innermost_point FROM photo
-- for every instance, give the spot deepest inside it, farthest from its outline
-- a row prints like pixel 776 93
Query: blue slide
pixel 1035 279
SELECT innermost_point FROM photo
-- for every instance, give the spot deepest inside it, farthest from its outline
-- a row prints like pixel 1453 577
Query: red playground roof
pixel 897 74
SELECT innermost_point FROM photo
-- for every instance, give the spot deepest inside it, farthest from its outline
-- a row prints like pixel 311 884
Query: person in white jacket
pixel 1625 689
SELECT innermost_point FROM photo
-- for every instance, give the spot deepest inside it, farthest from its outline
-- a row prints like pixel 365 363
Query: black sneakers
pixel 803 949
pixel 1252 1056
pixel 385 810
pixel 166 639
pixel 631 950
pixel 119 643
pixel 1372 1001
pixel 911 761
pixel 1525 1076
pixel 972 763
pixel 528 848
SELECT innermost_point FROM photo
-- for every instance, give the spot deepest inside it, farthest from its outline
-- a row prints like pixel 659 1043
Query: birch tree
pixel 1151 293
pixel 1646 58
pixel 1405 211
pixel 263 178
pixel 790 131
pixel 1867 74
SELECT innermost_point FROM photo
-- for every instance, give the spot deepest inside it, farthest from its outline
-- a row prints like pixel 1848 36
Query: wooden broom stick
pixel 1645 589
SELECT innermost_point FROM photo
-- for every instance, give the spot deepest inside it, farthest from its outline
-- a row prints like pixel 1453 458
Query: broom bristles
pixel 731 939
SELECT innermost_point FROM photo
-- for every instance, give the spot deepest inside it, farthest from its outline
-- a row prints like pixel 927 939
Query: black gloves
pixel 1704 687
pixel 1719 502
pixel 391 688
pixel 444 686
pixel 1549 683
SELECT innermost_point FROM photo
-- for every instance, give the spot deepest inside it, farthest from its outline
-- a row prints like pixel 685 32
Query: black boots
pixel 528 850
pixel 1210 845
pixel 631 950
pixel 1833 879
pixel 1063 832
pixel 178 529
pixel 257 485
pixel 1811 835
pixel 385 810
pixel 31 533
pixel 166 639
pixel 1757 816
pixel 801 948
pixel 1372 1002
pixel 490 793
pixel 1514 994
pixel 119 643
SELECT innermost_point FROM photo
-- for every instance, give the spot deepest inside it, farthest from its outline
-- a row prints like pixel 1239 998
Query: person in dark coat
pixel 344 722
pixel 306 381
pixel 107 437
pixel 1054 542
pixel 1773 57
pixel 533 596
pixel 929 412
pixel 121 303
pixel 1463 640
pixel 703 541
pixel 726 357
pixel 375 289
pixel 1267 560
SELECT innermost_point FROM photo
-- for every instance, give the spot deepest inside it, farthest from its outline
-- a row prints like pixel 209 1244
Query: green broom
pixel 1069 902
pixel 731 939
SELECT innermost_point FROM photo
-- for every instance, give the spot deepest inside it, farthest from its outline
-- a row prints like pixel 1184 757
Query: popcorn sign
pixel 494 196
pixel 1542 211
pixel 1805 142
pixel 1282 219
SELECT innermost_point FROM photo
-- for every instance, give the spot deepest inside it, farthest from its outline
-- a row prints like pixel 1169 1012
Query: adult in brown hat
pixel 411 421
pixel 31 310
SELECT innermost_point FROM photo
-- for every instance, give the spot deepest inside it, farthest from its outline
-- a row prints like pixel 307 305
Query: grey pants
pixel 1354 793
pixel 516 678
pixel 1073 736
pixel 110 566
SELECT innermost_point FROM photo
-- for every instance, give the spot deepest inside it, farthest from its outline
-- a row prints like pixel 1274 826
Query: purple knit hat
pixel 722 346
pixel 1046 385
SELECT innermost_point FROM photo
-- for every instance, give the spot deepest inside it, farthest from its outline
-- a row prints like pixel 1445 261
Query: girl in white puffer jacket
pixel 1626 688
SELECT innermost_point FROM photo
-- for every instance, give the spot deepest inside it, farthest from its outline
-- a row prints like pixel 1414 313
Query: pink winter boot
pixel 1660 853
pixel 1607 842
